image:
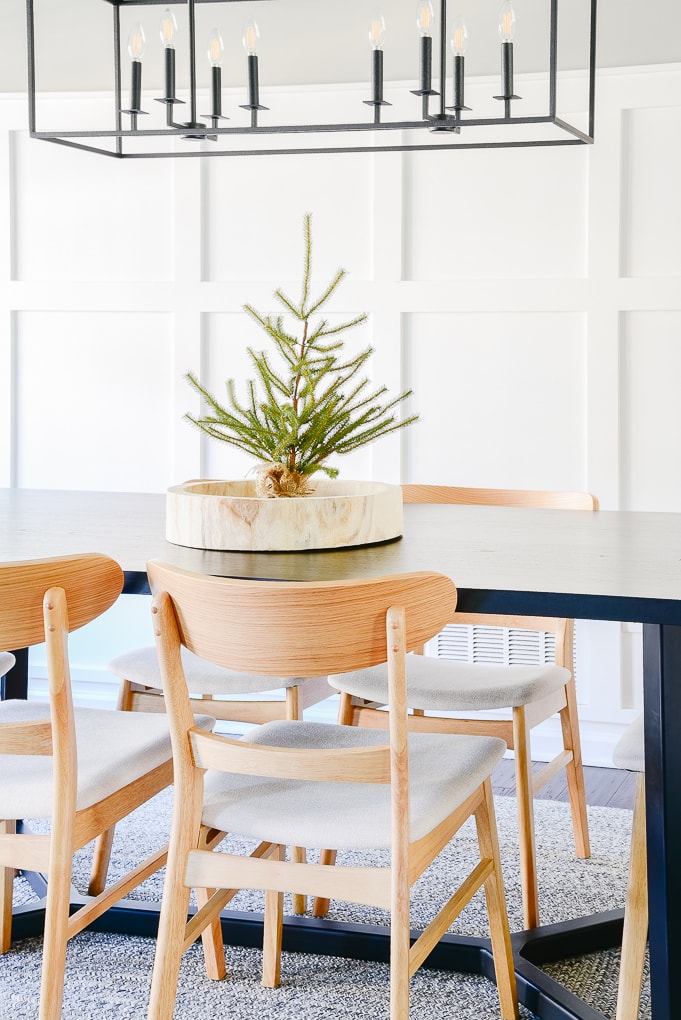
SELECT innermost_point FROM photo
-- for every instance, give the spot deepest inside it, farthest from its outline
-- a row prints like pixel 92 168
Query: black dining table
pixel 609 565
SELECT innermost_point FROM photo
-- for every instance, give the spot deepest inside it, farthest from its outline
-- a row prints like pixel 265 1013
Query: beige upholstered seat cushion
pixel 628 753
pixel 114 748
pixel 445 686
pixel 140 666
pixel 6 662
pixel 444 771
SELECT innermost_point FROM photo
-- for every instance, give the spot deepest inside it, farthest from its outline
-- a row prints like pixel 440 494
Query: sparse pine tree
pixel 310 404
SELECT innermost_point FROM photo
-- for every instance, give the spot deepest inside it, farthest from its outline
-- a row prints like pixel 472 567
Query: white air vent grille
pixel 502 645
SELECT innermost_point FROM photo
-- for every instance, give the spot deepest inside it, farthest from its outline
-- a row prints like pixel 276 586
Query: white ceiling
pixel 325 41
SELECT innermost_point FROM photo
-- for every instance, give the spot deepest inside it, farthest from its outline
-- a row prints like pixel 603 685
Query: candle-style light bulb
pixel 216 48
pixel 424 18
pixel 506 33
pixel 250 41
pixel 459 44
pixel 168 29
pixel 377 31
pixel 459 37
pixel 506 22
pixel 136 42
pixel 376 38
pixel 250 38
pixel 424 24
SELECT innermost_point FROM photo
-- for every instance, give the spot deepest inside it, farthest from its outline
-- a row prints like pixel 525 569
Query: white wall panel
pixel 247 198
pixel 505 405
pixel 652 196
pixel 651 411
pixel 80 217
pixel 93 401
pixel 497 214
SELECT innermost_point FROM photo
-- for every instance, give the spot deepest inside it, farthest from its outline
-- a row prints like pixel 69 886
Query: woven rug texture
pixel 110 974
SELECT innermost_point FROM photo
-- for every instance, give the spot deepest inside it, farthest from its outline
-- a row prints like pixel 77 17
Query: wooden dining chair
pixel 229 695
pixel 532 693
pixel 84 769
pixel 314 784
pixel 628 754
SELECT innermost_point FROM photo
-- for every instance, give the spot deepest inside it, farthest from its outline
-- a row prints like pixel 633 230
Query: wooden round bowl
pixel 206 514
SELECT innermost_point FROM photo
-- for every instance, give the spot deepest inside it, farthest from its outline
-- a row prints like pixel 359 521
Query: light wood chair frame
pixel 44 601
pixel 635 932
pixel 516 731
pixel 137 697
pixel 304 629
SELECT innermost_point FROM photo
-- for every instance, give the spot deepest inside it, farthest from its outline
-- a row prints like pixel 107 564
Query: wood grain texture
pixel 23 585
pixel 541 499
pixel 274 628
pixel 208 514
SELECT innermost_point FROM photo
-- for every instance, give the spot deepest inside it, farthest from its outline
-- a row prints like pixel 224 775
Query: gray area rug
pixel 110 974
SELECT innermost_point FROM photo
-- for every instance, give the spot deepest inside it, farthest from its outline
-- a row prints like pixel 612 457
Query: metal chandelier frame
pixel 447 130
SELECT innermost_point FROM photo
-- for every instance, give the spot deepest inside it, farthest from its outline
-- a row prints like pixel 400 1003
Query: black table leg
pixel 15 683
pixel 662 694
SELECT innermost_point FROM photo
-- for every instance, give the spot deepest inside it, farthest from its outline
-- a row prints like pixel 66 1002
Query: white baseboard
pixel 91 688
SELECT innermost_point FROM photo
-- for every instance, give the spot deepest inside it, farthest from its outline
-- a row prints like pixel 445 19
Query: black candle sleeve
pixel 136 86
pixel 216 91
pixel 377 76
pixel 170 74
pixel 507 70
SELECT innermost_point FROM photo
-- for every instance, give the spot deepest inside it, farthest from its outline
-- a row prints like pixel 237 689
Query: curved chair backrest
pixel 300 628
pixel 92 583
pixel 536 498
pixel 39 601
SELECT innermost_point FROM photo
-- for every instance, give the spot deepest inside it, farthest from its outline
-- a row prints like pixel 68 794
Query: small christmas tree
pixel 313 406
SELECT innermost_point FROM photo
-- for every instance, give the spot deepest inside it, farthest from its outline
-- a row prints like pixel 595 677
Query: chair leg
pixel 272 932
pixel 523 784
pixel 488 842
pixel 293 711
pixel 104 842
pixel 56 927
pixel 7 826
pixel 298 900
pixel 125 697
pixel 399 941
pixel 185 835
pixel 211 937
pixel 321 903
pixel 345 710
pixel 100 861
pixel 574 771
pixel 635 931
pixel 169 947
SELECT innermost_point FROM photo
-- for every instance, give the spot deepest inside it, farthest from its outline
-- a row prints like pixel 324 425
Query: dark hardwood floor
pixel 604 787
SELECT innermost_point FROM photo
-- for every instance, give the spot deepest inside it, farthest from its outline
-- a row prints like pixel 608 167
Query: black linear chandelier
pixel 249 128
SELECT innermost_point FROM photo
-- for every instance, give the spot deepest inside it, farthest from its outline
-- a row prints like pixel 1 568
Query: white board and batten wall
pixel 530 297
